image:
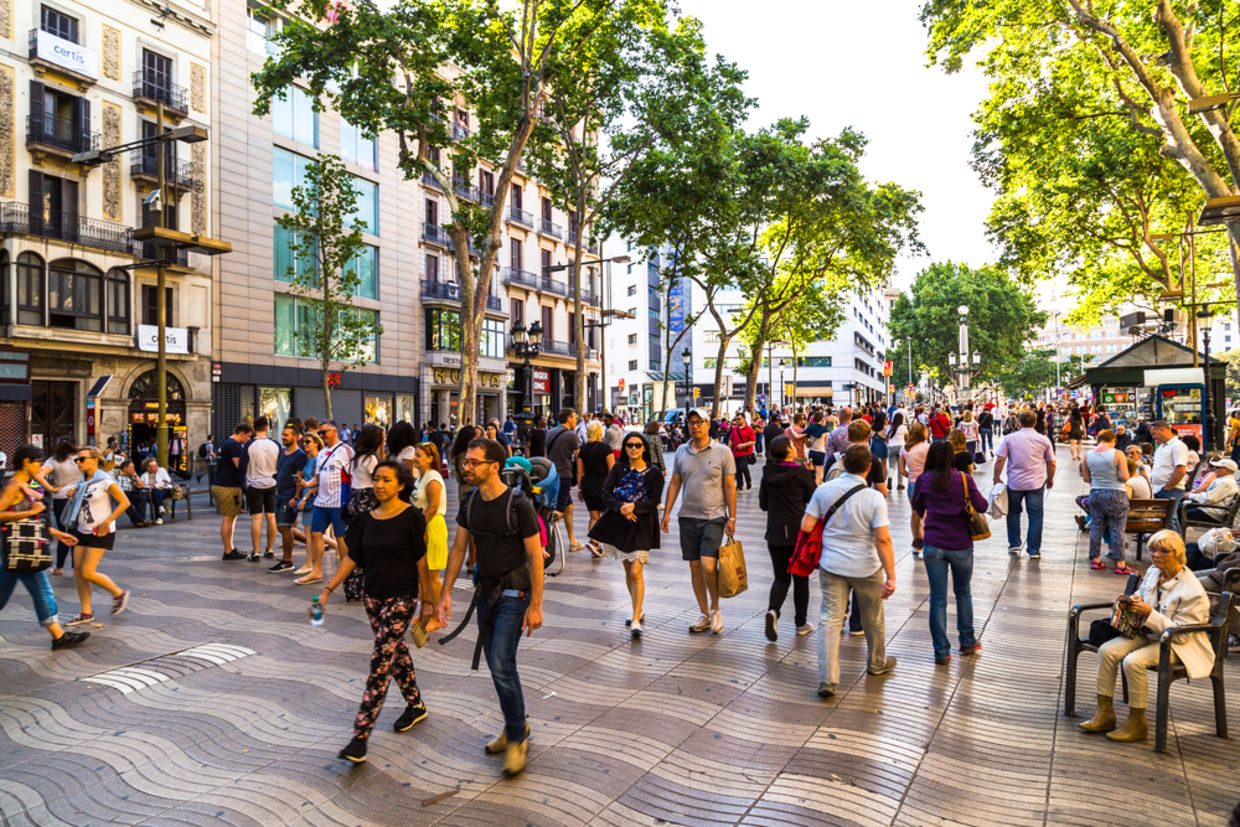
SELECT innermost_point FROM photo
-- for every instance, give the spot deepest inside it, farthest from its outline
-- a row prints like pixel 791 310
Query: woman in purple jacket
pixel 939 499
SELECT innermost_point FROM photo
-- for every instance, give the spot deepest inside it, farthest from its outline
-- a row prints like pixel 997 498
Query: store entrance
pixel 52 406
pixel 144 417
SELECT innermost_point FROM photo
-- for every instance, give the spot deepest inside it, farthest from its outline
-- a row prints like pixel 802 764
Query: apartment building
pixel 846 369
pixel 408 270
pixel 77 304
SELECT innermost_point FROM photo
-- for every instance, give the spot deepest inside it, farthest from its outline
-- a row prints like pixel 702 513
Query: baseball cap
pixel 1224 462
pixel 701 413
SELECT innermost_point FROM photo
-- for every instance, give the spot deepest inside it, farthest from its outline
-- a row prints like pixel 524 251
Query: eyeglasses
pixel 474 463
pixel 80 460
pixel 698 422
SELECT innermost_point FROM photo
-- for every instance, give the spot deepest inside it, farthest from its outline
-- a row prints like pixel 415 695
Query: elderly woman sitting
pixel 1210 504
pixel 1169 596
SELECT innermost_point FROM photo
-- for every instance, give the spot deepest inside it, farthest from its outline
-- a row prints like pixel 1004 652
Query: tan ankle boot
pixel 1104 717
pixel 500 743
pixel 514 760
pixel 1134 729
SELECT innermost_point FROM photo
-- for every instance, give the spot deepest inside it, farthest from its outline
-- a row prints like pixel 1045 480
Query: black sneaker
pixel 355 751
pixel 826 690
pixel 413 714
pixel 269 553
pixel 69 640
pixel 280 566
pixel 234 555
pixel 254 555
pixel 772 633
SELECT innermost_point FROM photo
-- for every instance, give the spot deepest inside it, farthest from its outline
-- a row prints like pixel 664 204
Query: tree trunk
pixel 467 396
pixel 755 371
pixel 325 345
pixel 724 341
pixel 579 326
pixel 794 373
pixel 327 392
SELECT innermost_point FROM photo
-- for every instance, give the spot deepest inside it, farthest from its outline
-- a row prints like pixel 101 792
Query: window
pixel 58 23
pixel 443 330
pixel 432 212
pixel 29 289
pixel 814 361
pixel 572 328
pixel 516 254
pixel 118 301
pixel 547 326
pixel 546 262
pixel 74 295
pixel 517 311
pixel 632 290
pixel 366 209
pixel 150 313
pixel 288 171
pixel 296 320
pixel 486 182
pixel 293 117
pixel 632 364
pixel 432 268
pixel 632 338
pixel 356 147
pixel 53 206
pixel 518 196
pixel 366 266
pixel 59 119
pixel 150 153
pixel 259 31
pixel 286 264
pixel 157 78
pixel 492 344
pixel 546 209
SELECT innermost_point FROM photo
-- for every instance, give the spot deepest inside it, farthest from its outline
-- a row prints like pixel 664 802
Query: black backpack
pixel 511 527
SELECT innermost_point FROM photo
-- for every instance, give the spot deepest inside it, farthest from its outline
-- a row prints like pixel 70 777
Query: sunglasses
pixel 639 446
pixel 80 460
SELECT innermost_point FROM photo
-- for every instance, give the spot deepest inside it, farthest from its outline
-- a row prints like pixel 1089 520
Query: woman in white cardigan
pixel 1169 596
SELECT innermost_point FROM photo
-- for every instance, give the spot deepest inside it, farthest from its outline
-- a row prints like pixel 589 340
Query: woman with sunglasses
pixel 431 496
pixel 91 517
pixel 629 527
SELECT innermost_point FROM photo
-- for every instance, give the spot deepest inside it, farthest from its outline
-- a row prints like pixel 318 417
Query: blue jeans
pixel 40 589
pixel 938 561
pixel 1108 515
pixel 499 642
pixel 1175 494
pixel 1033 501
pixel 988 438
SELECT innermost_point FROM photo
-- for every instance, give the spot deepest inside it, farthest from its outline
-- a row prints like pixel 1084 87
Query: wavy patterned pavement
pixel 213 701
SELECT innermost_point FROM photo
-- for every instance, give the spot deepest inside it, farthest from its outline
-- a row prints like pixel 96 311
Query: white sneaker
pixel 716 622
pixel 703 623
pixel 636 629
pixel 1014 550
pixel 159 521
pixel 805 629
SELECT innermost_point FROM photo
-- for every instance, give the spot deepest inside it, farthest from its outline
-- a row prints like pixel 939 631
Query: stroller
pixel 538 480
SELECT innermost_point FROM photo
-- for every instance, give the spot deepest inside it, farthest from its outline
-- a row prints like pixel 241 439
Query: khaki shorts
pixel 227 499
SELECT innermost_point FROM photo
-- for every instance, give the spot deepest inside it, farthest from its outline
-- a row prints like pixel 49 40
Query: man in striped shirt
pixel 333 463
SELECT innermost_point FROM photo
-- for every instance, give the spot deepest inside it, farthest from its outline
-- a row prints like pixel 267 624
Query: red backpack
pixel 808 550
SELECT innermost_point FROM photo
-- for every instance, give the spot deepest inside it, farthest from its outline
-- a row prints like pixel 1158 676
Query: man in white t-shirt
pixel 262 458
pixel 334 460
pixel 1170 470
pixel 856 555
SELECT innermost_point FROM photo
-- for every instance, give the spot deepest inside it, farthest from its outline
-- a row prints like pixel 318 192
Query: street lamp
pixel 686 357
pixel 1204 317
pixel 527 344
pixel 783 389
pixel 161 236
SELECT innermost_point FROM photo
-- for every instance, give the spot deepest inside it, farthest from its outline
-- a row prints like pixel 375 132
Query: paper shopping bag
pixel 733 579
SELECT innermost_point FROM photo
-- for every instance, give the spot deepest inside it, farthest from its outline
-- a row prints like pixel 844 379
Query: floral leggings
pixel 390 618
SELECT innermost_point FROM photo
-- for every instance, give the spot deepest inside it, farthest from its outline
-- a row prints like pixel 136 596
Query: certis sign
pixel 176 339
pixel 66 54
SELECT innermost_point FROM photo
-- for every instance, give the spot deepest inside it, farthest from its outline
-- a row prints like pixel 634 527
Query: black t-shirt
pixel 771 431
pixel 538 442
pixel 228 473
pixel 286 474
pixel 876 475
pixel 961 461
pixel 498 551
pixel 388 551
pixel 594 462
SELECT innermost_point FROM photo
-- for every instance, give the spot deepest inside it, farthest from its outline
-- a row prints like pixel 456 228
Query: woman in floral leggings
pixel 389 544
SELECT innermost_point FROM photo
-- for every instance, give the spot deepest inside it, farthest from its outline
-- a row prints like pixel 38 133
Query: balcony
pixel 154 90
pixel 145 167
pixel 524 278
pixel 449 291
pixel 486 199
pixel 519 216
pixel 548 227
pixel 550 285
pixel 58 136
pixel 68 227
pixel 558 348
pixel 429 180
pixel 49 52
pixel 459 131
pixel 436 234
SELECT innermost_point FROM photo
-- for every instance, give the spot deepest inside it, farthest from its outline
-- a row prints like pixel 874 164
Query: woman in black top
pixel 389 544
pixel 537 445
pixel 594 461
pixel 629 528
pixel 783 493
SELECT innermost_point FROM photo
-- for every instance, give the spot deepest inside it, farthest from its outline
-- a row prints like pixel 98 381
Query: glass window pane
pixel 285 338
pixel 283 254
pixel 293 117
pixel 367 208
pixel 364 265
pixel 283 177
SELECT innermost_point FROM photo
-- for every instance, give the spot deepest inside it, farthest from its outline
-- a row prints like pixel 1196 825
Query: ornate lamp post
pixel 686 358
pixel 527 344
pixel 783 389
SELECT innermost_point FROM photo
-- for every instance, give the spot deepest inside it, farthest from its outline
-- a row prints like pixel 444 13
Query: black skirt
pixel 614 529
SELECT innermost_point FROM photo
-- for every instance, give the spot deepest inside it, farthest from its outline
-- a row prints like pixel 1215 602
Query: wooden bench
pixel 1147 517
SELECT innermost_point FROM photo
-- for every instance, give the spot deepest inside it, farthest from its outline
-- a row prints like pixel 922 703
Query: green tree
pixel 1030 376
pixel 1003 319
pixel 420 59
pixel 1232 359
pixel 1087 137
pixel 326 239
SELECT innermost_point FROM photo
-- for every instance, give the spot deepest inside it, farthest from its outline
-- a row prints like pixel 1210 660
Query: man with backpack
pixel 857 555
pixel 562 447
pixel 509 584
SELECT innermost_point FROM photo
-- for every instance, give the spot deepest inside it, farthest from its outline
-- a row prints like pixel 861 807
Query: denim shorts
pixel 286 515
pixel 323 517
pixel 701 538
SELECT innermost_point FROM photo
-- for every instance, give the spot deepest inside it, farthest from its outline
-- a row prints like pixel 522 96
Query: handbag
pixel 27 546
pixel 808 551
pixel 1125 621
pixel 979 527
pixel 979 457
pixel 733 578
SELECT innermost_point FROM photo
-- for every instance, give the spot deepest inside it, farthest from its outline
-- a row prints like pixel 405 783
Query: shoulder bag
pixel 808 551
pixel 979 528
pixel 27 545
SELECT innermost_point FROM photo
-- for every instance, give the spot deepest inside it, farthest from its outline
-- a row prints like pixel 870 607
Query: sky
pixel 863 64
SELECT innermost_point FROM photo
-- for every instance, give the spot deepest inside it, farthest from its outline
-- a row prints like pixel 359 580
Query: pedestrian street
pixel 212 700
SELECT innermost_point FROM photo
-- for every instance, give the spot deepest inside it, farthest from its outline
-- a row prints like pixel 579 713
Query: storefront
pixel 443 386
pixel 1155 379
pixel 144 419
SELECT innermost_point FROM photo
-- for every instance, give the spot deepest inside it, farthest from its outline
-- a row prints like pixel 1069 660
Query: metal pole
pixel 161 357
pixel 1205 398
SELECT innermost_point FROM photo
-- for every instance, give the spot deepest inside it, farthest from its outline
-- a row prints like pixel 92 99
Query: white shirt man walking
pixel 263 457
pixel 857 555
pixel 707 472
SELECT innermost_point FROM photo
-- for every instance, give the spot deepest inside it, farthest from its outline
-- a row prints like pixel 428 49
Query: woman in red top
pixel 742 440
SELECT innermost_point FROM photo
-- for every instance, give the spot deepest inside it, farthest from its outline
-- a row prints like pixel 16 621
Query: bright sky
pixel 863 64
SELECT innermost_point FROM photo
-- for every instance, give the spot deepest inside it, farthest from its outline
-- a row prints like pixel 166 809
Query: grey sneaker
pixel 804 629
pixel 120 602
pixel 703 623
pixel 887 666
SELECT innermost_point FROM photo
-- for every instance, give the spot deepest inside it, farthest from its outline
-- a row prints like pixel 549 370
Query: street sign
pixel 891 388
pixel 886 368
pixel 622 384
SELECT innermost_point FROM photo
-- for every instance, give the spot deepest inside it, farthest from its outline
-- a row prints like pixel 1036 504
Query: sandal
pixel 1124 568
pixel 1097 564
pixel 596 550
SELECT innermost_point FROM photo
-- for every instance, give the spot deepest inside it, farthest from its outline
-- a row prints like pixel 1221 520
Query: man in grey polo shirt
pixel 856 555
pixel 707 472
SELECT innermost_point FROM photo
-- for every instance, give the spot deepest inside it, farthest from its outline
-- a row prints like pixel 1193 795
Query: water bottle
pixel 316 612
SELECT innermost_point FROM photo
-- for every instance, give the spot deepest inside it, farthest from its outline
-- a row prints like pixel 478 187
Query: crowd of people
pixel 377 499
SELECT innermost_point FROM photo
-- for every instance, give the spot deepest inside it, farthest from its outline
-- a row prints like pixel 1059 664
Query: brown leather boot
pixel 1104 717
pixel 500 743
pixel 1134 729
